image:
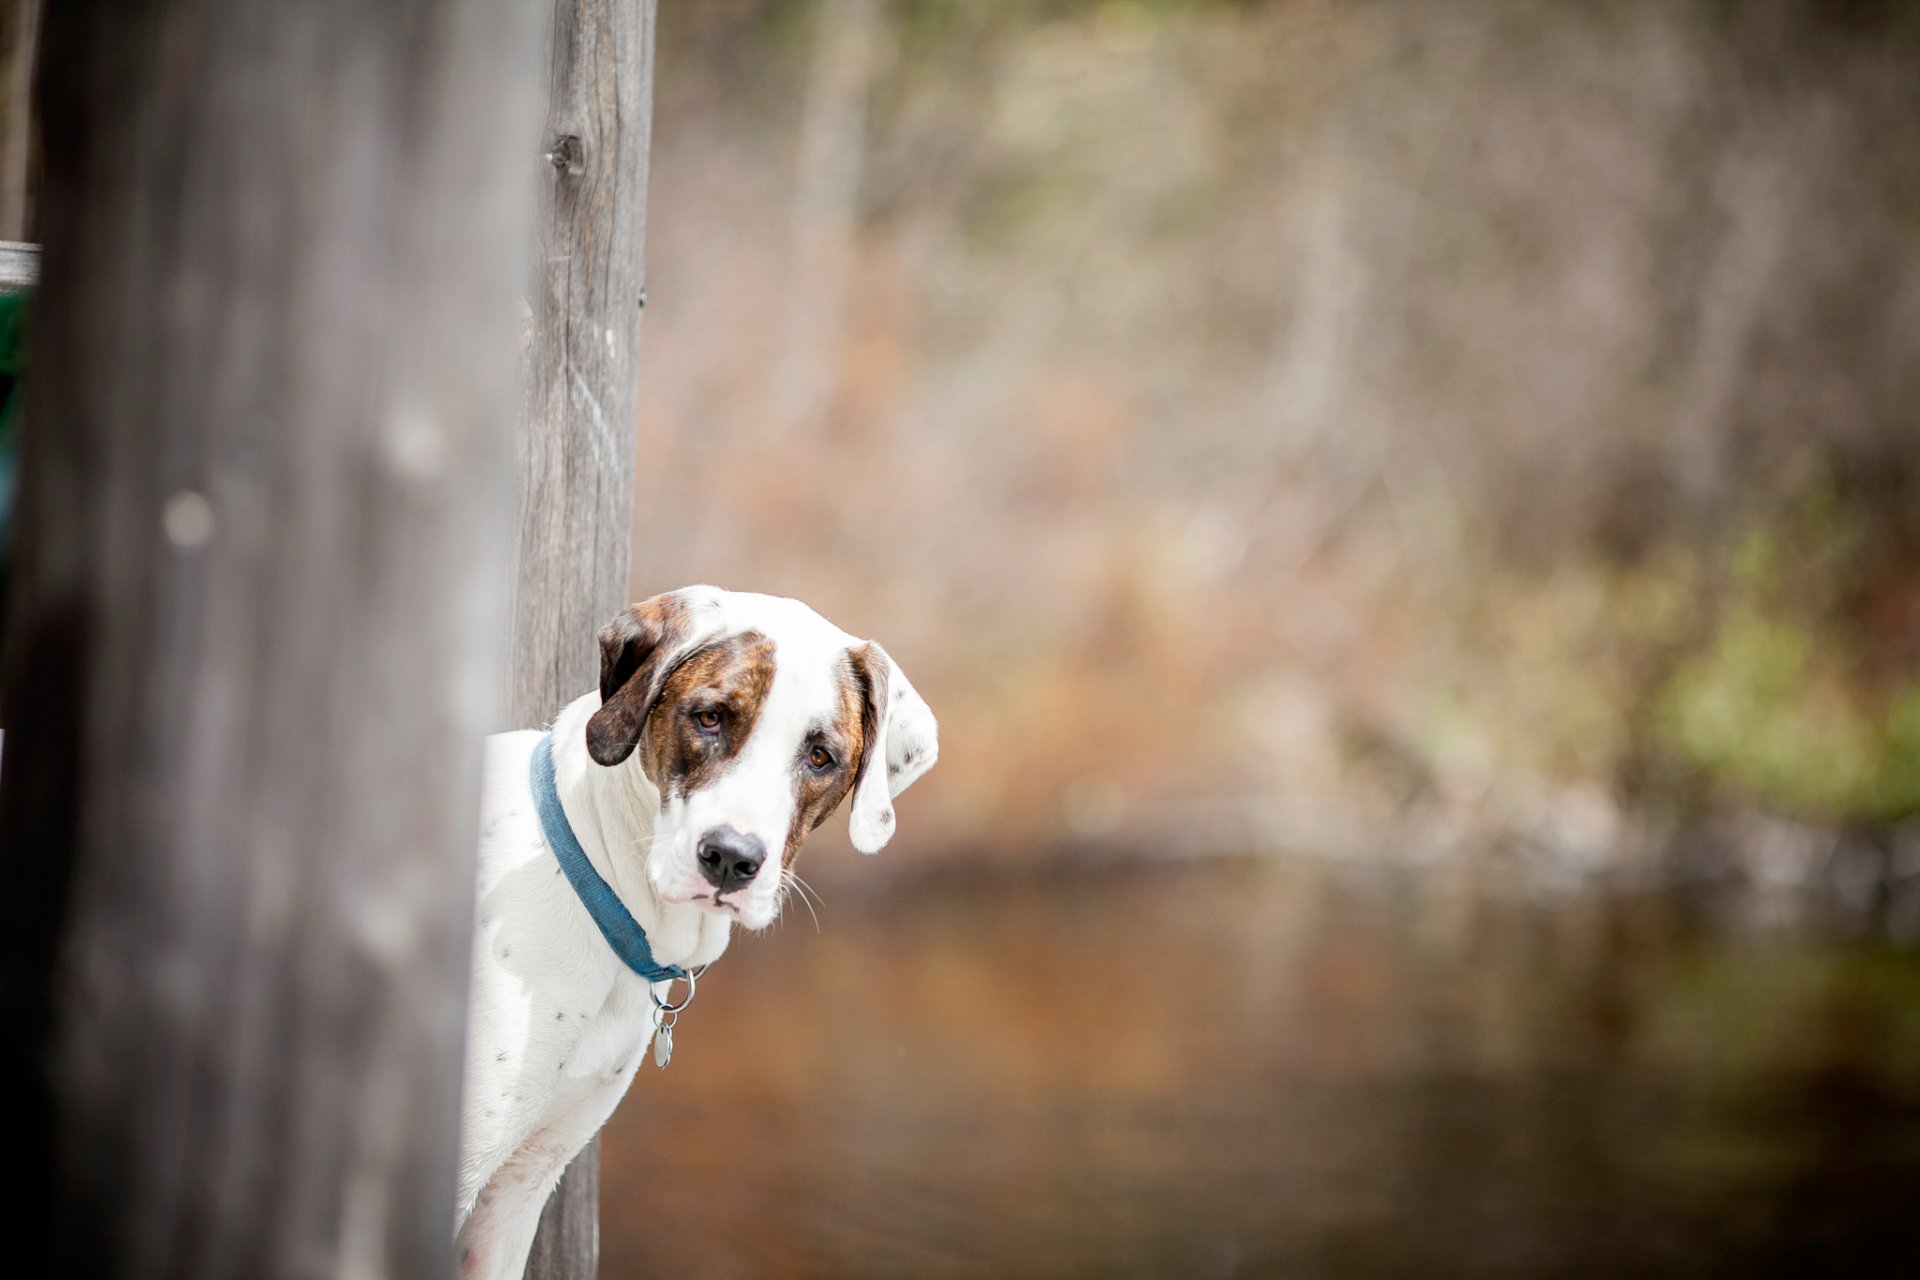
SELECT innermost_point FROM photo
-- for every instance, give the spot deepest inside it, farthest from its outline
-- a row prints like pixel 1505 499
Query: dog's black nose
pixel 729 859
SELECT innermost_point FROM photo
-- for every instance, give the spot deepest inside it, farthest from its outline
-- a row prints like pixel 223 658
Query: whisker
pixel 779 907
pixel 790 881
pixel 806 888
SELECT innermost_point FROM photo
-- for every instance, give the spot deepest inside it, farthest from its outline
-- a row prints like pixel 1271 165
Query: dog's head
pixel 753 717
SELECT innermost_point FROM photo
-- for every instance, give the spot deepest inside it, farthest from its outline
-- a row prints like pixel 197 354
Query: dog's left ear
pixel 638 650
pixel 902 742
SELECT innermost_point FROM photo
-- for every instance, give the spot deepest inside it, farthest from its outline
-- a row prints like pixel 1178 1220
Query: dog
pixel 727 726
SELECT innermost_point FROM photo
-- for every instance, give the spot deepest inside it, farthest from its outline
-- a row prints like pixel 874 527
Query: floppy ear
pixel 902 742
pixel 638 650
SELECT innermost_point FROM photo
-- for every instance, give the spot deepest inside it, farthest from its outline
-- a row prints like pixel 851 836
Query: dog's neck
pixel 612 812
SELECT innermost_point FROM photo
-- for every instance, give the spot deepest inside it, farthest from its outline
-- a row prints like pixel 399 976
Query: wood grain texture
pixel 575 529
pixel 255 639
pixel 590 230
pixel 19 43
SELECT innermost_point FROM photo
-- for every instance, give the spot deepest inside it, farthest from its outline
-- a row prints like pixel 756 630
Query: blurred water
pixel 1275 1068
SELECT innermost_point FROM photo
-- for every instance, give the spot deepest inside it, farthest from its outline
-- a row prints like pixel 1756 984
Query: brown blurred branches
pixel 1349 416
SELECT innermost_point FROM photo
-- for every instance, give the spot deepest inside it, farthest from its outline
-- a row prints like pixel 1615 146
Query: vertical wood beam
pixel 254 641
pixel 19 44
pixel 576 521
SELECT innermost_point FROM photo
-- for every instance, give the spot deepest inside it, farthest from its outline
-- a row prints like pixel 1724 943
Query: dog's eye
pixel 708 719
pixel 821 759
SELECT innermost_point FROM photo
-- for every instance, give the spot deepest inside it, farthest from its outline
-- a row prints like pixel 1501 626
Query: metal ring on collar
pixel 667 1006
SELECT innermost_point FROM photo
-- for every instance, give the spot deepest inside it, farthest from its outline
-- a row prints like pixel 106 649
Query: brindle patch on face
pixel 844 736
pixel 728 678
pixel 634 647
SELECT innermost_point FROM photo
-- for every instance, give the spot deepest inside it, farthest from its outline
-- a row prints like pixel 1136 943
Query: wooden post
pixel 19 41
pixel 576 523
pixel 255 637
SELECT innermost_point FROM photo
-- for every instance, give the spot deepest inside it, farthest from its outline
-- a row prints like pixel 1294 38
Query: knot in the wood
pixel 566 153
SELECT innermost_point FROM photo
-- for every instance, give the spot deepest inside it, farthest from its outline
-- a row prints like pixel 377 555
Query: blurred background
pixel 1407 516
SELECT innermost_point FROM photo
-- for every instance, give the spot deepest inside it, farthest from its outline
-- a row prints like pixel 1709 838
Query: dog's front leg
pixel 498 1235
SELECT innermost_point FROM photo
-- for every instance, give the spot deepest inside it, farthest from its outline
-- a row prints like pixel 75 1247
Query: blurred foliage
pixel 1767 672
pixel 1470 445
pixel 1283 424
pixel 1779 700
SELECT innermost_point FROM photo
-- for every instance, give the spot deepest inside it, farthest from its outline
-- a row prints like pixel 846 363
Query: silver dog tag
pixel 663 1047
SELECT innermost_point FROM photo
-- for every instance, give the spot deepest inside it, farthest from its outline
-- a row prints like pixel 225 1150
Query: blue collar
pixel 617 925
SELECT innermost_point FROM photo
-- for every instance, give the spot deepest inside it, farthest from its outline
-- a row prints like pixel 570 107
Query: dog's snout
pixel 729 859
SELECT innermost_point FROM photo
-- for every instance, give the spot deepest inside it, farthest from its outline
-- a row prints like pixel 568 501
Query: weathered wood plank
pixel 576 517
pixel 19 42
pixel 254 639
pixel 577 511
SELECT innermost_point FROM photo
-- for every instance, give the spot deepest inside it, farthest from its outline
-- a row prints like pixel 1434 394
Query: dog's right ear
pixel 638 650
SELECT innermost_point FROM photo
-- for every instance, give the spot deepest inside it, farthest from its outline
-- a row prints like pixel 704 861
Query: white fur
pixel 557 1024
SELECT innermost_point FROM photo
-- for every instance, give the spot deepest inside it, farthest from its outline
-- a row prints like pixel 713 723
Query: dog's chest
pixel 612 1039
pixel 550 996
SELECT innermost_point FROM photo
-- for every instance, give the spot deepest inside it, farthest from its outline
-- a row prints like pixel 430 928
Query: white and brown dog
pixel 726 727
